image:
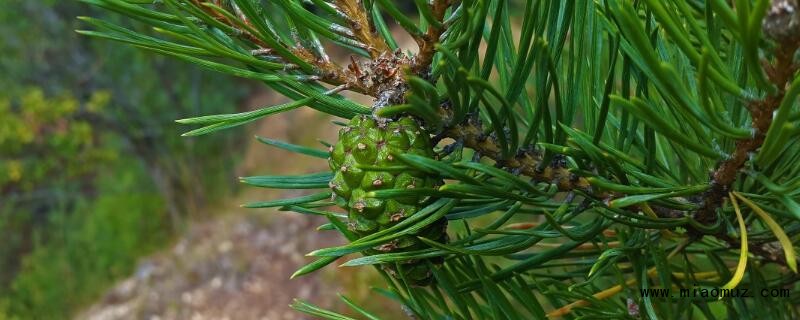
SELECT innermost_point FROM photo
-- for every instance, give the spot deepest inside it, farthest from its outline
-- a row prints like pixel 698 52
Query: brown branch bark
pixel 428 42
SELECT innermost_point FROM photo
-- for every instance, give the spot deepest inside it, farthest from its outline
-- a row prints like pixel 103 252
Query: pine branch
pixel 780 73
pixel 761 111
pixel 526 161
pixel 529 163
pixel 328 71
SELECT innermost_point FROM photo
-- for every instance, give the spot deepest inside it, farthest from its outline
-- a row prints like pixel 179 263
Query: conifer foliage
pixel 582 151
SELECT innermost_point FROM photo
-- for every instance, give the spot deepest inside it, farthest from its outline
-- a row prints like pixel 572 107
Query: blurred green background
pixel 93 171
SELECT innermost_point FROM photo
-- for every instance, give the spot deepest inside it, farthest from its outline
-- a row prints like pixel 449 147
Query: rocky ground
pixel 234 267
pixel 236 263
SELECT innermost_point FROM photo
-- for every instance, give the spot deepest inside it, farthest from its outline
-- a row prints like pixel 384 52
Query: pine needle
pixel 739 274
pixel 788 249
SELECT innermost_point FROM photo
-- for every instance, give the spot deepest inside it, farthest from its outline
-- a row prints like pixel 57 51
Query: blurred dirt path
pixel 236 265
pixel 233 267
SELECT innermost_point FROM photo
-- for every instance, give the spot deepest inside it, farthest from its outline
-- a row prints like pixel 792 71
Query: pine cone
pixel 365 149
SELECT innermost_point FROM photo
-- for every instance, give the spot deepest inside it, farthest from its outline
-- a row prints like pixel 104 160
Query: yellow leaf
pixel 739 274
pixel 14 170
pixel 788 249
pixel 98 101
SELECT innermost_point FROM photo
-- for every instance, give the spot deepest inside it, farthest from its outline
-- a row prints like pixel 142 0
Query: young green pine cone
pixel 364 147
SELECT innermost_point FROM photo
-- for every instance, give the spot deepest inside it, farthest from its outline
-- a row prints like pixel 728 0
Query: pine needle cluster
pixel 590 150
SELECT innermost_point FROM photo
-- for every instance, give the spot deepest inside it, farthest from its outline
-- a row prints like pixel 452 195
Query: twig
pixel 362 27
pixel 780 73
pixel 528 163
pixel 328 71
pixel 761 112
pixel 428 42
